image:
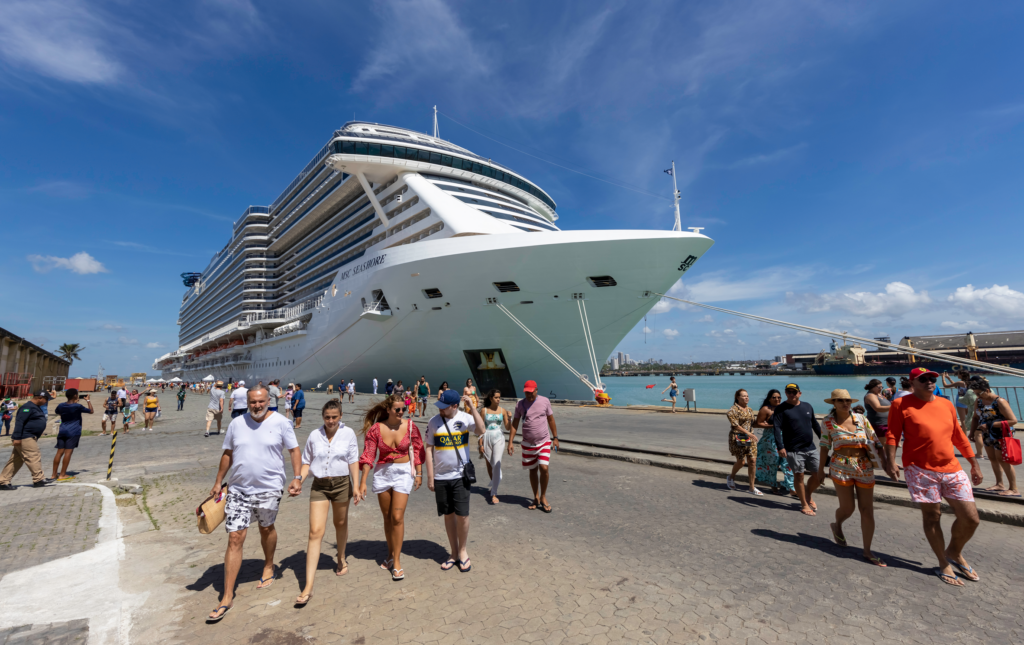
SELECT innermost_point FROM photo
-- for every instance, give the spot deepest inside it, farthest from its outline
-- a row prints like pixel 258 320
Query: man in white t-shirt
pixel 215 410
pixel 351 389
pixel 122 395
pixel 374 384
pixel 238 400
pixel 253 445
pixel 447 446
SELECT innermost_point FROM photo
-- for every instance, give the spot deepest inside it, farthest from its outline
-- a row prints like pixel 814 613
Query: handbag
pixel 1010 446
pixel 468 469
pixel 210 513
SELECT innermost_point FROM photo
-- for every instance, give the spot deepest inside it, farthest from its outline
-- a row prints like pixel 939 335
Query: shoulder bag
pixel 1010 446
pixel 468 469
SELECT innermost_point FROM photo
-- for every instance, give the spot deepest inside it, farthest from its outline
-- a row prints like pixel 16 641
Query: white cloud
pixel 705 319
pixel 124 340
pixel 969 324
pixel 155 345
pixel 998 301
pixel 81 262
pixel 647 330
pixel 898 299
pixel 670 333
pixel 113 327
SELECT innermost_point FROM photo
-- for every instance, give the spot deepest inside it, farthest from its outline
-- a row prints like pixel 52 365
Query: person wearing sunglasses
pixel 856 452
pixel 930 430
pixel 394 450
pixel 992 410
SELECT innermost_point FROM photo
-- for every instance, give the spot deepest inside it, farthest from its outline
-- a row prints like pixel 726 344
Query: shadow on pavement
pixel 296 563
pixel 376 550
pixel 251 570
pixel 851 552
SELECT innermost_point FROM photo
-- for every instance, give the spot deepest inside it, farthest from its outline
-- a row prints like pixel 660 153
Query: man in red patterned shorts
pixel 539 431
pixel 930 429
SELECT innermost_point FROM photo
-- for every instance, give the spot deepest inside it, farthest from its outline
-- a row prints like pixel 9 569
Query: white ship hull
pixel 340 341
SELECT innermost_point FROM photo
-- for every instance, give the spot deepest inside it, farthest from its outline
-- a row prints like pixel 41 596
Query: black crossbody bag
pixel 468 469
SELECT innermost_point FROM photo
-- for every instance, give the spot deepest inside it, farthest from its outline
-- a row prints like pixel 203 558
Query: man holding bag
pixel 450 472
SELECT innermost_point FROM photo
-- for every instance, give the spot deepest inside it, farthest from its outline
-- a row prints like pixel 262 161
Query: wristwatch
pixel 297 477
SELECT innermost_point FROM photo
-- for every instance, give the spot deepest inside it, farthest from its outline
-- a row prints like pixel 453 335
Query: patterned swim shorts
pixel 240 510
pixel 929 487
pixel 851 471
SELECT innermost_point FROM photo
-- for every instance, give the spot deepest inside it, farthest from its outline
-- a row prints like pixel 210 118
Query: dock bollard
pixel 113 444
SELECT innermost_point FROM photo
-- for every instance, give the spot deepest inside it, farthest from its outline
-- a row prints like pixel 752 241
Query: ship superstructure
pixel 388 257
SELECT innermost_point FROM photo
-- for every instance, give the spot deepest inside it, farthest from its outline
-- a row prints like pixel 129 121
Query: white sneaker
pixel 730 483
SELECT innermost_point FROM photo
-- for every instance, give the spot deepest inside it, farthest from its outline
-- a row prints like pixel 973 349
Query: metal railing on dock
pixel 1012 394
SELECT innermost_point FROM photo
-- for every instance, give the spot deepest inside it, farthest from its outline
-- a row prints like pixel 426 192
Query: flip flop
pixel 448 564
pixel 533 506
pixel 303 603
pixel 1006 493
pixel 263 581
pixel 386 565
pixel 945 577
pixel 398 574
pixel 217 619
pixel 875 560
pixel 467 569
pixel 546 508
pixel 342 570
pixel 968 570
pixel 841 541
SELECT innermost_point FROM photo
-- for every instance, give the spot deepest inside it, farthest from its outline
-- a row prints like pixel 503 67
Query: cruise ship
pixel 395 254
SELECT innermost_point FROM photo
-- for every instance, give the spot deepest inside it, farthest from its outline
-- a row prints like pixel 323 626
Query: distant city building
pixel 628 361
pixel 622 358
pixel 615 363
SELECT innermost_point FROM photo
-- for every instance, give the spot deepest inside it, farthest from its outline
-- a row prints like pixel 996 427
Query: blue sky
pixel 856 163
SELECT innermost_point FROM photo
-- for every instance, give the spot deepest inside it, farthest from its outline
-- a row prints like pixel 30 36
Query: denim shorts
pixel 803 462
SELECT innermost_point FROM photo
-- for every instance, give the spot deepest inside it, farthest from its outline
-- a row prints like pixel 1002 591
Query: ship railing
pixel 1013 395
pixel 284 313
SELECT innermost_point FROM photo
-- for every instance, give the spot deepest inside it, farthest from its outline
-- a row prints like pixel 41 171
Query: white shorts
pixel 398 477
pixel 240 510
pixel 113 418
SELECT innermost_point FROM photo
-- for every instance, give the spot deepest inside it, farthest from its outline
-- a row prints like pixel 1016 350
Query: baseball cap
pixel 792 386
pixel 448 398
pixel 918 372
pixel 241 383
pixel 531 386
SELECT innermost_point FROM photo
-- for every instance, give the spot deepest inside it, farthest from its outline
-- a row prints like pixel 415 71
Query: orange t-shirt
pixel 929 429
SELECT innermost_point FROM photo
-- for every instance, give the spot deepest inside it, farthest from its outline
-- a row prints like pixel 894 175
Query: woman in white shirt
pixel 331 456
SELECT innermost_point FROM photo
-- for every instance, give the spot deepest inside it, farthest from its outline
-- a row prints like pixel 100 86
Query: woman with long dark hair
pixel 992 411
pixel 742 442
pixel 768 461
pixel 440 390
pixel 394 450
pixel 498 421
pixel 876 408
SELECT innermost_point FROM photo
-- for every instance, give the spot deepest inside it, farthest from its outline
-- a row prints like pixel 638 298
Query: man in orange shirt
pixel 930 429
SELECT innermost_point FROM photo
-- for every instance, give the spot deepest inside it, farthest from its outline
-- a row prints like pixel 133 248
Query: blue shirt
pixel 298 400
pixel 71 417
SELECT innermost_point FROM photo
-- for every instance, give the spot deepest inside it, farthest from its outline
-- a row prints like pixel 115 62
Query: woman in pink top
pixel 394 449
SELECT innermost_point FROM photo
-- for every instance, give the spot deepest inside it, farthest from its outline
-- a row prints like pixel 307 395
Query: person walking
pixel 930 429
pixel 856 452
pixel 400 389
pixel 539 431
pixel 298 405
pixel 742 442
pixel 29 425
pixel 423 393
pixel 876 408
pixel 960 388
pixel 673 392
pixel 389 388
pixel 288 394
pixel 970 400
pixel 274 392
pixel 8 407
pixel 133 403
pixel 215 409
pixel 447 448
pixel 351 389
pixel 470 391
pixel 181 398
pixel 768 461
pixel 252 452
pixel 331 456
pixel 498 421
pixel 374 384
pixel 70 432
pixel 442 389
pixel 393 449
pixel 152 407
pixel 794 423
pixel 239 397
pixel 992 411
pixel 110 413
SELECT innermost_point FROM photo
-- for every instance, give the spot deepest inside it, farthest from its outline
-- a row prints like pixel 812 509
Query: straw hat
pixel 840 394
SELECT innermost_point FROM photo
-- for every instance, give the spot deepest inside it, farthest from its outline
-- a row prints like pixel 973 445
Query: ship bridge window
pixel 506 287
pixel 432 293
pixel 602 281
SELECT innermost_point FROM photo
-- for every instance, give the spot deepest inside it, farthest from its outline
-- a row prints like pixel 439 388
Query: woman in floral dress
pixel 742 442
pixel 769 464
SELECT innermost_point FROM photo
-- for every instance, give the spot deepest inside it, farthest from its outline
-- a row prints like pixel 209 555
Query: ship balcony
pixel 254 269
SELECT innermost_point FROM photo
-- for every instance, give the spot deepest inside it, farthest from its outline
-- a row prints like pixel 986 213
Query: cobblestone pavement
pixel 72 631
pixel 38 525
pixel 630 554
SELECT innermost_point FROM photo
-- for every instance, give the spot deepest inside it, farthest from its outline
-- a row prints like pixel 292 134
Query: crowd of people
pixel 854 441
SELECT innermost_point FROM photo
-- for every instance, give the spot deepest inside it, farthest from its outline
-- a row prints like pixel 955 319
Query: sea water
pixel 716 392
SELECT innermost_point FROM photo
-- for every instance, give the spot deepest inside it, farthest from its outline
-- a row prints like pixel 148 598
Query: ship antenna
pixel 678 226
pixel 437 134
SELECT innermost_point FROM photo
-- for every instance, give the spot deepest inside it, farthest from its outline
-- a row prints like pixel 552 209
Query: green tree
pixel 69 352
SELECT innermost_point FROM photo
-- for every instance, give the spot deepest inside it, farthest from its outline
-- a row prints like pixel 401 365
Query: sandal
pixel 217 615
pixel 263 581
pixel 546 508
pixel 841 541
pixel 875 560
pixel 386 565
pixel 448 564
pixel 468 568
pixel 755 492
pixel 967 570
pixel 949 578
pixel 534 505
pixel 302 603
pixel 398 574
pixel 340 571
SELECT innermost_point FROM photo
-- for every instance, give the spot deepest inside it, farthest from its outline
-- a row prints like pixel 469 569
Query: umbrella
pixel 152 380
pixel 209 379
pixel 160 380
pixel 175 380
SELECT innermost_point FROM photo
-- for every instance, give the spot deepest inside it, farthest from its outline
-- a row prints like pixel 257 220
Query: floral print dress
pixel 769 464
pixel 739 444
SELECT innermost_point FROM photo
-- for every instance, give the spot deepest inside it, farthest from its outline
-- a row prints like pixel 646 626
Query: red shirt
pixel 372 445
pixel 930 430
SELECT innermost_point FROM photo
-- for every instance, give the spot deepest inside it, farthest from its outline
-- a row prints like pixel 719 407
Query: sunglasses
pixel 928 379
pixel 398 410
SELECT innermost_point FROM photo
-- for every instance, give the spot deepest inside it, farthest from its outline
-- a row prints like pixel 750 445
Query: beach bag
pixel 210 513
pixel 468 469
pixel 1010 446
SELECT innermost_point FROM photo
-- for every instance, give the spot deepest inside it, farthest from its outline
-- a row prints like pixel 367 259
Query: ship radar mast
pixel 437 134
pixel 678 226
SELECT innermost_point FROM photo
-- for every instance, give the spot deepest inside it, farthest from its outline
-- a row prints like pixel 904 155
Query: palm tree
pixel 69 352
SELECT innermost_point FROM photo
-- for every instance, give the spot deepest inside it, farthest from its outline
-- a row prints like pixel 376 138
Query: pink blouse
pixel 373 444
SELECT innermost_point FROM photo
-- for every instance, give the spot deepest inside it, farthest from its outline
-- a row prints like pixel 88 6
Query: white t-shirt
pixel 446 463
pixel 351 386
pixel 216 399
pixel 122 394
pixel 273 392
pixel 238 401
pixel 900 394
pixel 331 458
pixel 256 462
